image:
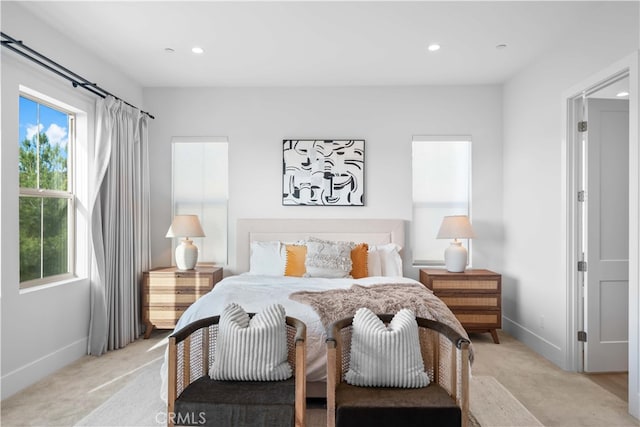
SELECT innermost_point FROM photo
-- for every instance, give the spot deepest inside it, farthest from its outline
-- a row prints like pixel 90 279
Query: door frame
pixel 570 223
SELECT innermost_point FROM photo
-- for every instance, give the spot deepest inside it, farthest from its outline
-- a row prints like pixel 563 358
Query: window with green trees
pixel 46 206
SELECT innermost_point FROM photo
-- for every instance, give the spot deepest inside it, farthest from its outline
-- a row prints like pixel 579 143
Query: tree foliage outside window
pixel 46 205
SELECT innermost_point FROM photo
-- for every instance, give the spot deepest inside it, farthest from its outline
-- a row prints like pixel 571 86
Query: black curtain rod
pixel 76 80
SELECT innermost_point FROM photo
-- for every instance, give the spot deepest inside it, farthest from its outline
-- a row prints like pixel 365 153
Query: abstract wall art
pixel 323 172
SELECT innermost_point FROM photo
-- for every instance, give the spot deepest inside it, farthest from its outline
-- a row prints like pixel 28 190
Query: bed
pixel 257 281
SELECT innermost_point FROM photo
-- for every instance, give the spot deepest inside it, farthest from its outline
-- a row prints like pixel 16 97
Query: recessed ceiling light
pixel 621 94
pixel 501 46
pixel 197 50
pixel 433 47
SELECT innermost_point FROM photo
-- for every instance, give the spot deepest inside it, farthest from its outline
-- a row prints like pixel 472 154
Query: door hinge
pixel 582 265
pixel 582 126
pixel 581 195
pixel 582 336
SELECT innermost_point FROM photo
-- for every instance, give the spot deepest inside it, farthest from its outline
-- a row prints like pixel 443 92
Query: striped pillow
pixel 384 356
pixel 251 349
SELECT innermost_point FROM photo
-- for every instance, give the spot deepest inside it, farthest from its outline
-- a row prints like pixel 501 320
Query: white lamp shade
pixel 186 252
pixel 185 226
pixel 456 227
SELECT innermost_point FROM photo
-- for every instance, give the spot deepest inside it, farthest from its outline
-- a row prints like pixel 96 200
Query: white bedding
pixel 254 292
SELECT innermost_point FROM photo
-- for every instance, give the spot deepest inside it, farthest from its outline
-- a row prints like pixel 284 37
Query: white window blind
pixel 201 187
pixel 441 186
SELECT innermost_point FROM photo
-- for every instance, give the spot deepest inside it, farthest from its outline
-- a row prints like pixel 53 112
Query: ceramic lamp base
pixel 186 255
pixel 455 257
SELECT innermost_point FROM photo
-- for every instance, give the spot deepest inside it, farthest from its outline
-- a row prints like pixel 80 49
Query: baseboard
pixel 33 372
pixel 546 349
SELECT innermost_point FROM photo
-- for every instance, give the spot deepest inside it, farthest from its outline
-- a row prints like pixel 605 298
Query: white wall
pixel 256 120
pixel 534 285
pixel 44 328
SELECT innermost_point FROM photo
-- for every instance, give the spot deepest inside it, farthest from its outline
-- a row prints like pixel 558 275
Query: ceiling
pixel 328 43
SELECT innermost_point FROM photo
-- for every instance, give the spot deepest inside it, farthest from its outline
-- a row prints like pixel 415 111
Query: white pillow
pixel 390 259
pixel 251 349
pixel 374 265
pixel 328 259
pixel 267 258
pixel 386 356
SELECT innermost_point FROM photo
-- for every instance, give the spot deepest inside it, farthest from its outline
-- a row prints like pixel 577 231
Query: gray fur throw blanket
pixel 336 304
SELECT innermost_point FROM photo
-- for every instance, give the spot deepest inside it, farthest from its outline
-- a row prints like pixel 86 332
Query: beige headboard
pixel 373 231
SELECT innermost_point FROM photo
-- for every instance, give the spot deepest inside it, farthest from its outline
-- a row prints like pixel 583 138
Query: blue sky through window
pixel 36 117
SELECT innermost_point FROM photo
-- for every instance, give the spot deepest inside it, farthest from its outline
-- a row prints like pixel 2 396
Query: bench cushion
pixel 382 406
pixel 207 402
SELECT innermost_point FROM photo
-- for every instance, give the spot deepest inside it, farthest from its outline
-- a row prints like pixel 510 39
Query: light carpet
pixel 138 404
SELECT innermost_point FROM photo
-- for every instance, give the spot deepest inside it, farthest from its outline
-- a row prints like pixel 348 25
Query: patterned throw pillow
pixel 328 259
pixel 251 349
pixel 386 356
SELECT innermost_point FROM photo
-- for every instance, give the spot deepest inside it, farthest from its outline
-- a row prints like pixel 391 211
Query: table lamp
pixel 186 252
pixel 455 227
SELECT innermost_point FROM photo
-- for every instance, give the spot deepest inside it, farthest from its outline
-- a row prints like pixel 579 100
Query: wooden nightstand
pixel 167 292
pixel 474 296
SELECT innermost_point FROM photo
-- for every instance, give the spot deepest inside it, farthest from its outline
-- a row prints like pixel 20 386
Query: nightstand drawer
pixel 160 314
pixel 171 298
pixel 466 285
pixel 182 293
pixel 471 320
pixel 165 280
pixel 478 301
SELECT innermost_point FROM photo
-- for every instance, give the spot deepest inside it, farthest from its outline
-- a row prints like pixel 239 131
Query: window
pixel 46 198
pixel 201 187
pixel 441 187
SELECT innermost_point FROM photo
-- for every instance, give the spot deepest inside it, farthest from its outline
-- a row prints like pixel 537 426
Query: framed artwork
pixel 323 172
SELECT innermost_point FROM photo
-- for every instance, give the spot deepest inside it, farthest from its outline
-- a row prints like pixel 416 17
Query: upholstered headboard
pixel 373 231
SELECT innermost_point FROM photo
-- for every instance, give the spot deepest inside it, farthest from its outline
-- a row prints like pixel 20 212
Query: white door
pixel 607 241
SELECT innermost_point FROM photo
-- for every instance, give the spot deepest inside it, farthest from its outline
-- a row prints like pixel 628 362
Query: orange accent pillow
pixel 359 259
pixel 296 255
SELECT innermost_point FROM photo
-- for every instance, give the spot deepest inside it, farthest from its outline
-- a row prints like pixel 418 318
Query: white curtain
pixel 119 224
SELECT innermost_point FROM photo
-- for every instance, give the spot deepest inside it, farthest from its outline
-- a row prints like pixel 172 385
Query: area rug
pixel 494 406
pixel 138 404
